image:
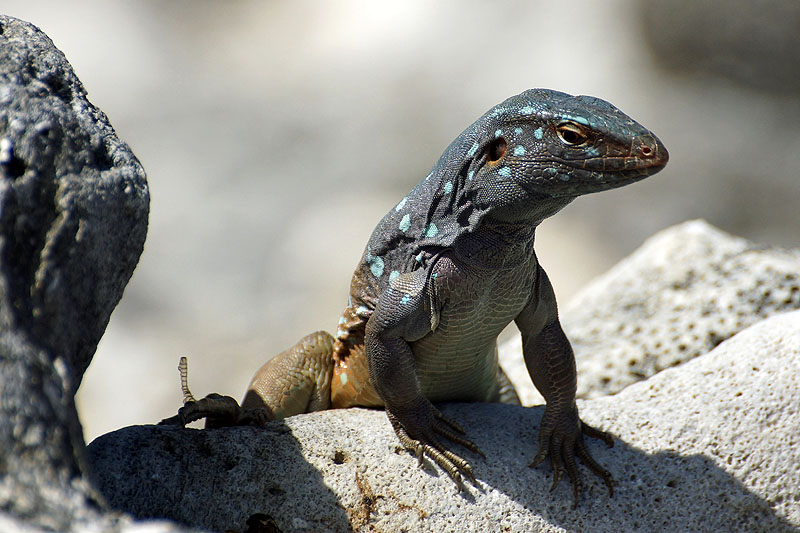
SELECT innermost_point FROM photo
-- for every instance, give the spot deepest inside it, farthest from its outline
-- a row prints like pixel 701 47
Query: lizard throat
pixel 496 246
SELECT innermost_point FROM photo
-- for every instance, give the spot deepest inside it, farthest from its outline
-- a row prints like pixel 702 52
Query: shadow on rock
pixel 212 478
pixel 662 491
pixel 344 470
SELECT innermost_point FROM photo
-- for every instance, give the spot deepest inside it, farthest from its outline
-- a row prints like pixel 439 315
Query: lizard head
pixel 521 162
pixel 544 144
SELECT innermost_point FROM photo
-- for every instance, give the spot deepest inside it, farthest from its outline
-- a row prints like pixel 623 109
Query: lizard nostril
pixel 648 151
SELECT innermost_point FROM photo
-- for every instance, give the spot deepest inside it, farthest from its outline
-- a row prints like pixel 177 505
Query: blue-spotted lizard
pixel 445 271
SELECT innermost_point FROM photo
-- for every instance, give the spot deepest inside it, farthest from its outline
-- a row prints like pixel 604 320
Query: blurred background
pixel 276 134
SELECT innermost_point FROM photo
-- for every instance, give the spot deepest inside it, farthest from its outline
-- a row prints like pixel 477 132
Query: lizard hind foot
pixel 218 410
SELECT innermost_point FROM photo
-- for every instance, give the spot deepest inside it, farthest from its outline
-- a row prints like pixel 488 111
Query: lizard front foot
pixel 420 430
pixel 561 437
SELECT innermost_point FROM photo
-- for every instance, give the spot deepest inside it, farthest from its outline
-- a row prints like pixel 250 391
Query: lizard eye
pixel 571 134
pixel 496 149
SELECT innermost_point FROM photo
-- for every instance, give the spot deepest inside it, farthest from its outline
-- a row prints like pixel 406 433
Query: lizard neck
pixel 496 245
pixel 504 238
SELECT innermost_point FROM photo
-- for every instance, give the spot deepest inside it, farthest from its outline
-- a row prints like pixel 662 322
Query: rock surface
pixel 710 446
pixel 73 218
pixel 684 291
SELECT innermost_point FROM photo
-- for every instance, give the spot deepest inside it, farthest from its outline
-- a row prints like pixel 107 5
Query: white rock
pixel 710 446
pixel 685 290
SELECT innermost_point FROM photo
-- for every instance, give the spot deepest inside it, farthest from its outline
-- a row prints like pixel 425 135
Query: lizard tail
pixel 183 368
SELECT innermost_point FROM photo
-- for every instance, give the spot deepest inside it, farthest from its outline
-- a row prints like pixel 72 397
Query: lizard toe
pixel 562 439
pixel 595 433
pixel 583 453
pixel 574 476
pixel 555 461
pixel 450 422
pixel 424 441
pixel 458 439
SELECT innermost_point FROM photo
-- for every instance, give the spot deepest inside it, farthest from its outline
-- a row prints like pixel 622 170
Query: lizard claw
pixel 421 433
pixel 561 437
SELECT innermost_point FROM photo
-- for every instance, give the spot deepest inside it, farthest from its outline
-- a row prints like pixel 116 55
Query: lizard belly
pixel 458 361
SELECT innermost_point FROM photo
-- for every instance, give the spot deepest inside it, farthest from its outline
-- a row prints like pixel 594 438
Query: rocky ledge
pixel 711 445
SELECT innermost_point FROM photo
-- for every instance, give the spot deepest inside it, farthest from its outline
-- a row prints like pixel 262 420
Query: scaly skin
pixel 446 270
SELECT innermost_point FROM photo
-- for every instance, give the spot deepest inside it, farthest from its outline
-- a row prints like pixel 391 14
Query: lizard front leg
pixel 403 315
pixel 551 365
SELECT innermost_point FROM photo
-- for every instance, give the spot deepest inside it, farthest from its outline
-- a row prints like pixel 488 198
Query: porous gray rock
pixel 709 446
pixel 73 218
pixel 684 291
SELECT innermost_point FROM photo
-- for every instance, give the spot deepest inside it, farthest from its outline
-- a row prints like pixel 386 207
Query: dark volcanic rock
pixel 73 218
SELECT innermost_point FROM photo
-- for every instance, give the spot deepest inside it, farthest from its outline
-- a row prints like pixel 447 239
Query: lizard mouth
pixel 619 166
pixel 644 153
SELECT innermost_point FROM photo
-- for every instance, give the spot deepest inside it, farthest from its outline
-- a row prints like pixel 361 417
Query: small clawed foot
pixel 218 410
pixel 561 438
pixel 423 439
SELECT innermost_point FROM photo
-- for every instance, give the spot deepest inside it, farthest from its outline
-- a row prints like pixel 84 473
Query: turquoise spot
pixel 405 299
pixel 519 150
pixel 375 265
pixel 431 230
pixel 527 110
pixel 538 133
pixel 518 131
pixel 401 204
pixel 342 320
pixel 563 177
pixel 419 257
pixel 498 133
pixel 393 275
pixel 343 378
pixel 505 172
pixel 592 151
pixel 405 223
pixel 362 310
pixel 448 187
pixel 472 150
pixel 471 174
pixel 579 120
pixel 435 275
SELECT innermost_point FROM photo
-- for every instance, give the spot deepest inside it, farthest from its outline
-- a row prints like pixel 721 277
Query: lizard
pixel 444 272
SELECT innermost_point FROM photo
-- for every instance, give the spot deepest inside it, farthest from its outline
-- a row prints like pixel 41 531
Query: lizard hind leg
pixel 297 380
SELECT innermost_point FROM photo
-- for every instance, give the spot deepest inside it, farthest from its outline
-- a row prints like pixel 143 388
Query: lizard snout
pixel 650 151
